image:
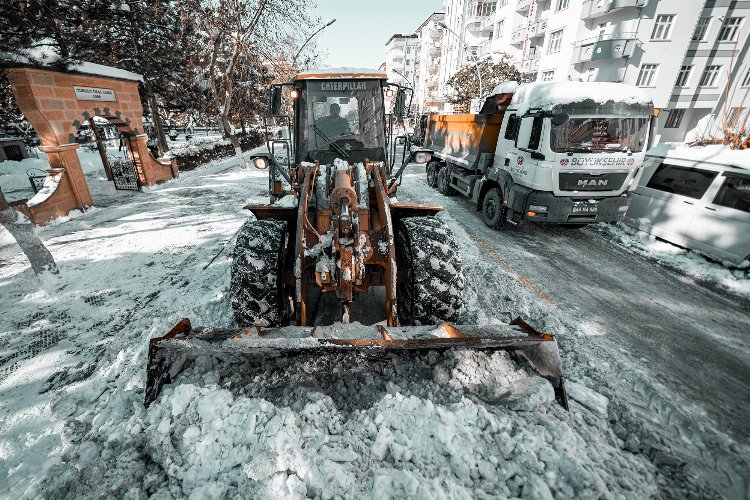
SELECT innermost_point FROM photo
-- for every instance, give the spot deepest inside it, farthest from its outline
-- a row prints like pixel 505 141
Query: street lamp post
pixel 310 38
pixel 466 46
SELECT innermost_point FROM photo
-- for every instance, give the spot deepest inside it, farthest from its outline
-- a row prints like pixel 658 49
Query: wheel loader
pixel 334 249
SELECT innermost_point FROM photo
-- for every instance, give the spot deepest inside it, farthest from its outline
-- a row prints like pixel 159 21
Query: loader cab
pixel 339 115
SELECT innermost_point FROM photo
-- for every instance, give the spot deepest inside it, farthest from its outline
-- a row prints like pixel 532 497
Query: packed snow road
pixel 694 338
pixel 73 358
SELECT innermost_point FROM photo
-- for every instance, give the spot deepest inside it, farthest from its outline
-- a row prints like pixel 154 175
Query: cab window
pixel 511 129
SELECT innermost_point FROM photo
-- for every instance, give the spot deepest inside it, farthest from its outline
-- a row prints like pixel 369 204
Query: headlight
pixel 261 162
pixel 422 157
pixel 540 209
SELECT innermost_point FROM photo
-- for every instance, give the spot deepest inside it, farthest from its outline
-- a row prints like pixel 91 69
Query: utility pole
pixel 294 61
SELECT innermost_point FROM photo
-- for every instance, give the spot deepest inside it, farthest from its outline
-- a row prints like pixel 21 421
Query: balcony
pixel 474 23
pixel 518 35
pixel 538 28
pixel 433 67
pixel 612 46
pixel 432 83
pixel 523 5
pixel 596 8
pixel 435 51
pixel 488 24
pixel 436 34
pixel 530 65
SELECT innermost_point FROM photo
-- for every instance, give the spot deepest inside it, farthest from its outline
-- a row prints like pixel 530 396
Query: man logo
pixel 592 182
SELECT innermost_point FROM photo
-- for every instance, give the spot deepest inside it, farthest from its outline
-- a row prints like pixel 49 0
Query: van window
pixel 734 193
pixel 511 130
pixel 690 182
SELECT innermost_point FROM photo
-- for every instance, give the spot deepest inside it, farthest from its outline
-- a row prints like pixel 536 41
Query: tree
pixel 22 230
pixel 465 84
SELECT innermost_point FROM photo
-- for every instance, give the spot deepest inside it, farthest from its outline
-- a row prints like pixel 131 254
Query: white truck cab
pixel 554 152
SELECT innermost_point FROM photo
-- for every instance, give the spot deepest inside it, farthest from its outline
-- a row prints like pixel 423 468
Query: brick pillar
pixel 150 171
pixel 65 156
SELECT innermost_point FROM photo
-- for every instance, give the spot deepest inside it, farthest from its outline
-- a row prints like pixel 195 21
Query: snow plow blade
pixel 170 354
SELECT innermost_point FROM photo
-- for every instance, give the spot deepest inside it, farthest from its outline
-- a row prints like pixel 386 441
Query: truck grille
pixel 581 181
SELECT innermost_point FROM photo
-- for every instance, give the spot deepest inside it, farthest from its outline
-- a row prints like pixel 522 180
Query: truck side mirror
pixel 400 102
pixel 560 118
pixel 275 104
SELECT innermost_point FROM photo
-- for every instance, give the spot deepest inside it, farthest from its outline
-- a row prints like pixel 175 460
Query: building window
pixel 562 4
pixel 555 41
pixel 729 29
pixel 675 118
pixel 503 3
pixel 500 28
pixel 701 29
pixel 548 76
pixel 746 80
pixel 647 75
pixel 683 76
pixel 709 76
pixel 734 117
pixel 408 50
pixel 663 27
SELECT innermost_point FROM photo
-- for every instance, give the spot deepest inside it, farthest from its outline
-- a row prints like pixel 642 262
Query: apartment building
pixel 682 52
pixel 430 38
pixel 400 57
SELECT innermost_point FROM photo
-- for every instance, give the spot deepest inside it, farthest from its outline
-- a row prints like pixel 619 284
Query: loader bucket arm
pixel 170 354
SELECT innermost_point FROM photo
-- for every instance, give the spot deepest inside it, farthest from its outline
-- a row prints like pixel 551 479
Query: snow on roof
pixel 546 95
pixel 101 70
pixel 505 88
pixel 47 54
pixel 714 153
pixel 316 74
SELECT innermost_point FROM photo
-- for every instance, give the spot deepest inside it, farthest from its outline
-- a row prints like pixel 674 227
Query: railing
pixel 607 36
pixel 611 47
pixel 537 28
pixel 523 5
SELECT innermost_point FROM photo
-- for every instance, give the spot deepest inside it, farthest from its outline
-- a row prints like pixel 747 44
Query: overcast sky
pixel 357 38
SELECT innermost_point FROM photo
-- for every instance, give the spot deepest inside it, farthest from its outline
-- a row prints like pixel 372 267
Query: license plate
pixel 586 208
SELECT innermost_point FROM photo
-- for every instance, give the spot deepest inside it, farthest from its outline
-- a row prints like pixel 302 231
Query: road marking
pixel 525 282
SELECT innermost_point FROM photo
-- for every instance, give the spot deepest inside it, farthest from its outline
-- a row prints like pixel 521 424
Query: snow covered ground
pixel 734 279
pixel 72 371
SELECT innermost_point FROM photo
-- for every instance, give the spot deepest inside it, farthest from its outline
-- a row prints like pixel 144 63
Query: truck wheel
pixel 432 287
pixel 432 168
pixel 256 285
pixel 442 182
pixel 493 210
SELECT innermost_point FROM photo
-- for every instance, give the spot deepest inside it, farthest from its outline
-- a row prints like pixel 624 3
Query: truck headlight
pixel 540 209
pixel 261 162
pixel 422 157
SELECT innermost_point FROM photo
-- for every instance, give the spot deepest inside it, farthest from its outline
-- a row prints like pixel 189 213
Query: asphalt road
pixel 694 339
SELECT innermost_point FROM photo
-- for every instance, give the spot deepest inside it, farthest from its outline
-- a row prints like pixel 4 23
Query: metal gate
pixel 124 174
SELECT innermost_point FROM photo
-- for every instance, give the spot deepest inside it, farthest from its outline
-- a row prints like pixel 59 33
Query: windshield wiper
pixel 335 146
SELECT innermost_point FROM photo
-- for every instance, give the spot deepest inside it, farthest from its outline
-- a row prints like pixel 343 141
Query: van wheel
pixel 432 169
pixel 442 182
pixel 493 210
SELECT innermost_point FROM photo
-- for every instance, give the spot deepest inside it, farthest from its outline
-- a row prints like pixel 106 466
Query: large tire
pixel 256 284
pixel 432 169
pixel 431 290
pixel 442 182
pixel 493 210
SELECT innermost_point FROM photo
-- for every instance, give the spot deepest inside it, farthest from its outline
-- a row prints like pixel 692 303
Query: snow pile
pixel 195 145
pixel 505 88
pixel 547 95
pixel 688 262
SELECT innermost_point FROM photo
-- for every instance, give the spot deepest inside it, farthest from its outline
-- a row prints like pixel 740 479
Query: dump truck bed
pixel 468 140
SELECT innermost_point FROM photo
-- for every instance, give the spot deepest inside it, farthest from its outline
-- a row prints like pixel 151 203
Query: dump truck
pixel 334 234
pixel 551 152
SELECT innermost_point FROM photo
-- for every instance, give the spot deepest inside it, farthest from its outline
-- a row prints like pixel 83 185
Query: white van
pixel 697 198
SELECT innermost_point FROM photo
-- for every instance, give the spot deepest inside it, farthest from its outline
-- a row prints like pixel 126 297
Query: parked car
pixel 697 198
